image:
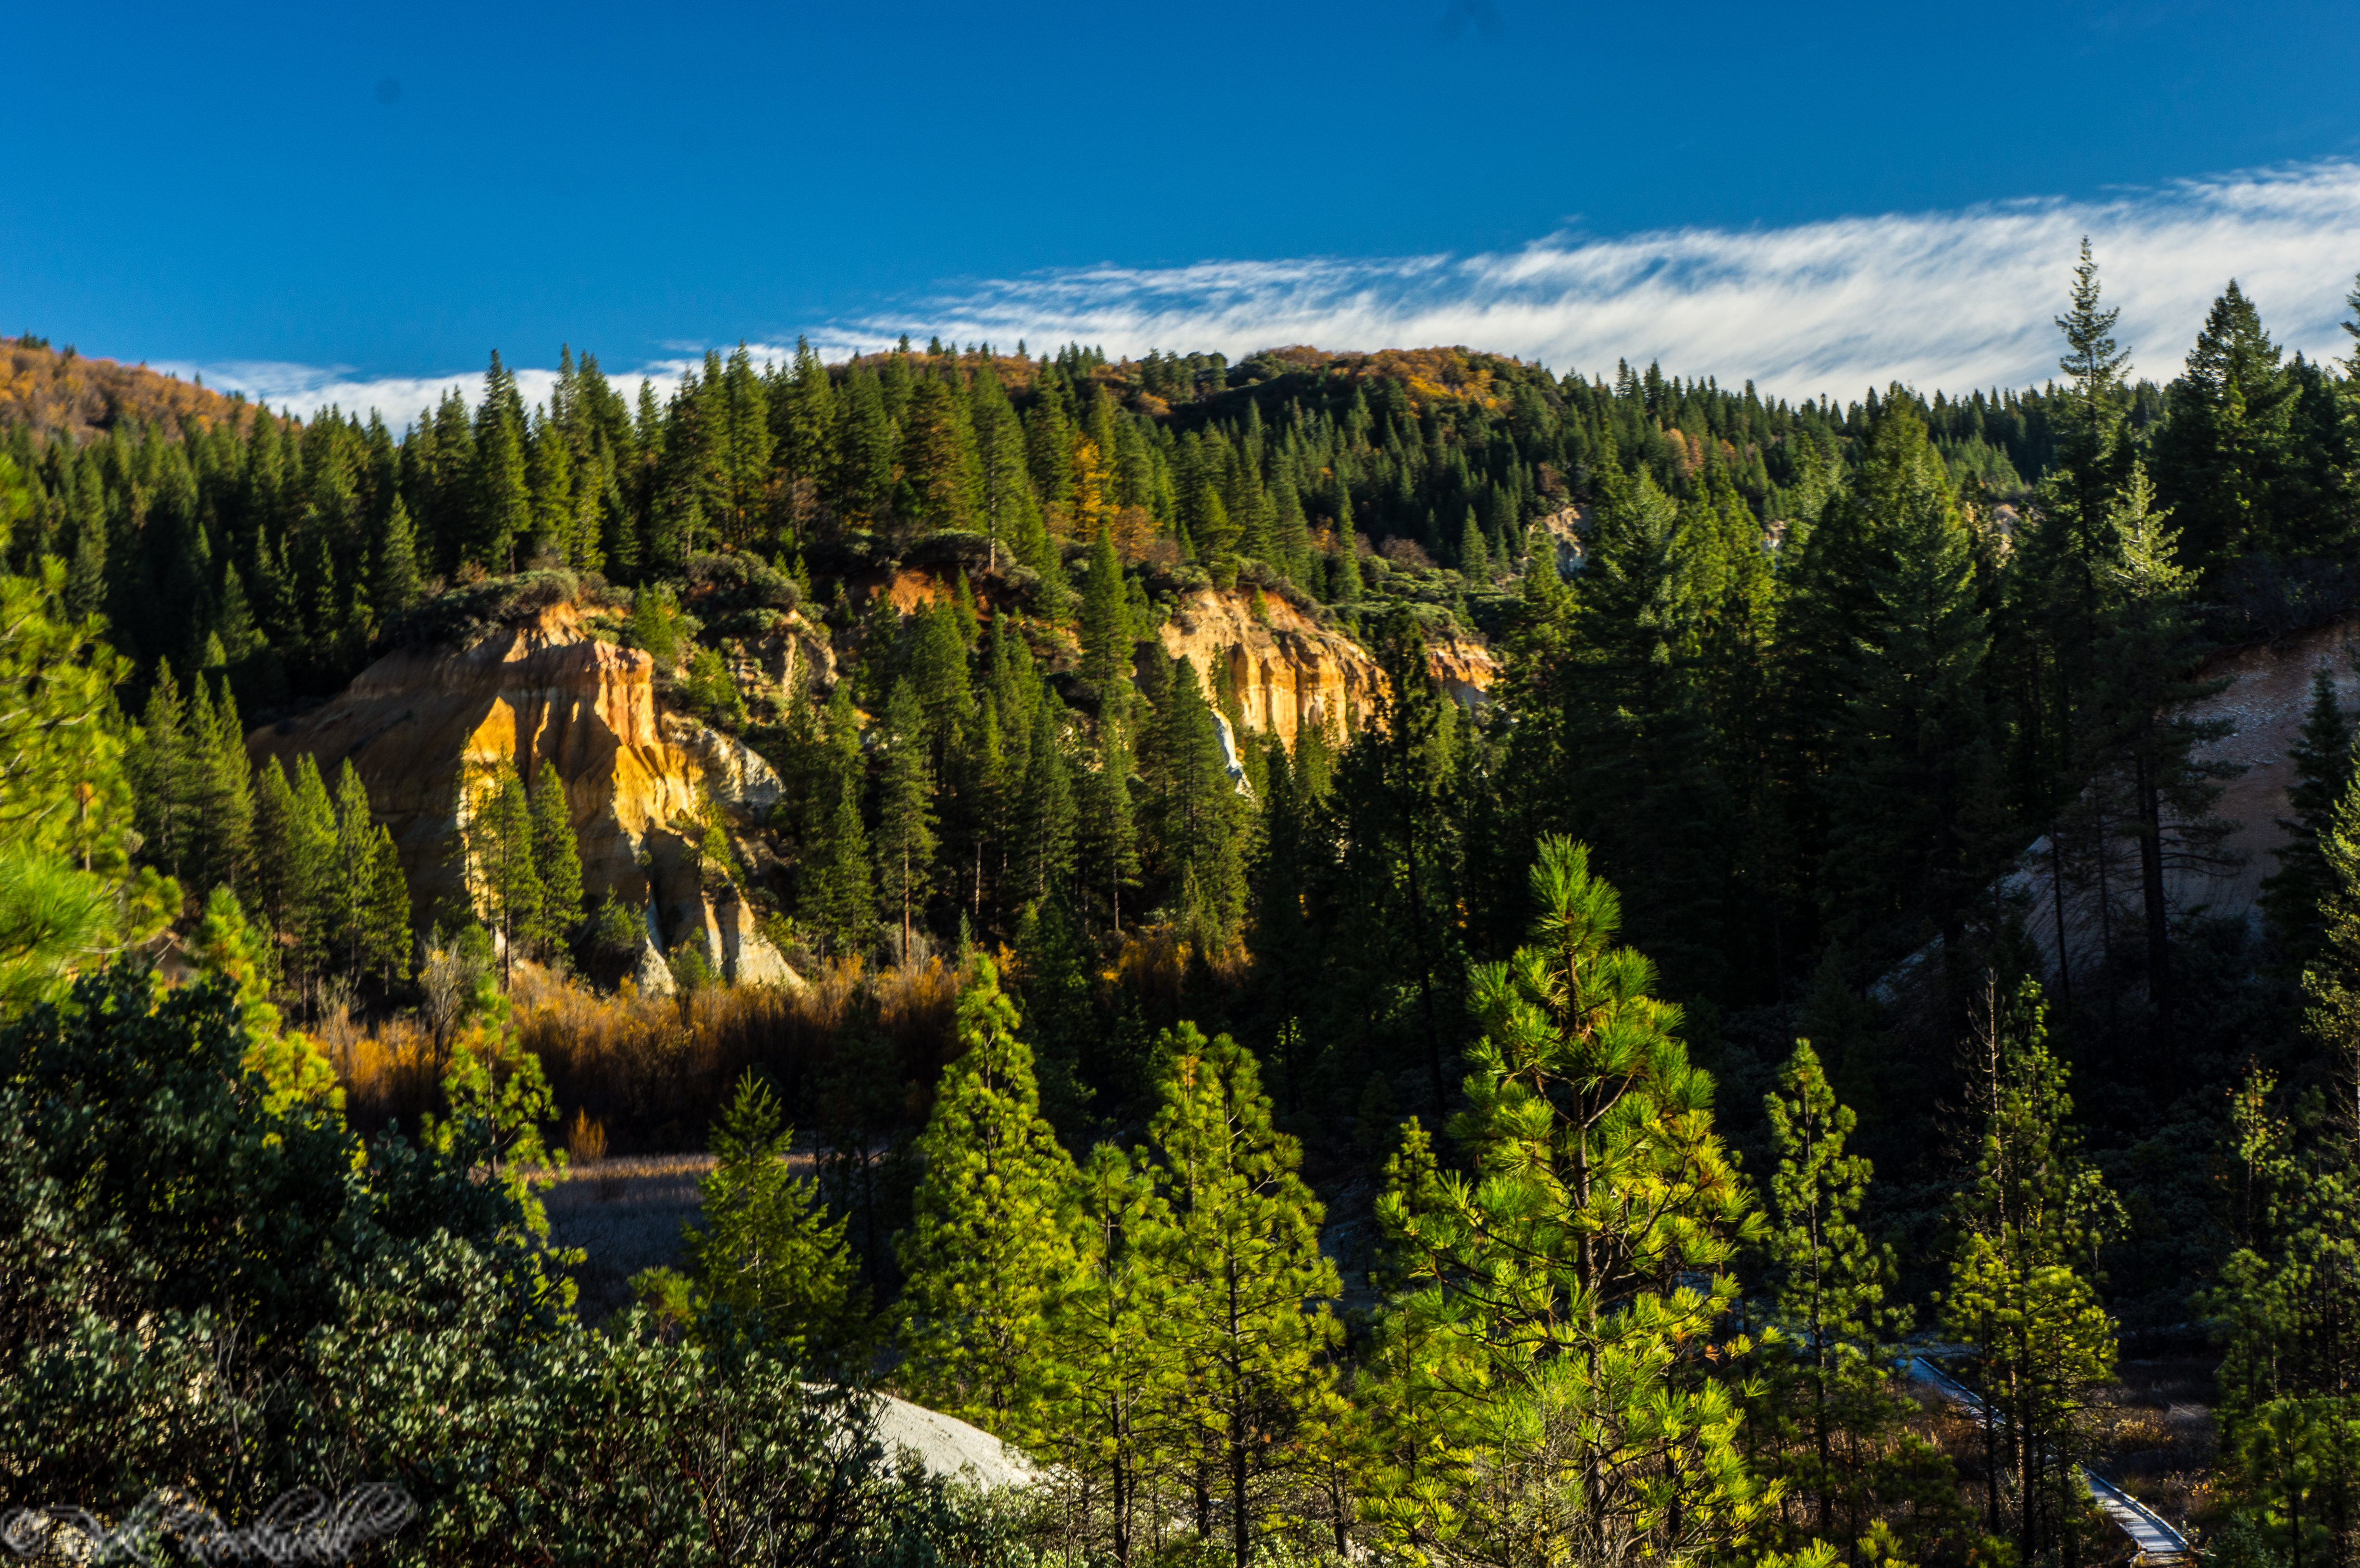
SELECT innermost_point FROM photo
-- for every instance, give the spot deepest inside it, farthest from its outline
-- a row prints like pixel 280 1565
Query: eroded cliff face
pixel 425 726
pixel 2265 702
pixel 1292 673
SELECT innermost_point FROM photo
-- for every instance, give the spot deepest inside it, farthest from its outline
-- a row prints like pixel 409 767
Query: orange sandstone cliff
pixel 426 727
pixel 1290 673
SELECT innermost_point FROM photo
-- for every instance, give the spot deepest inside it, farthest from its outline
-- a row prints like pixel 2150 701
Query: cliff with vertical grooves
pixel 1290 673
pixel 425 726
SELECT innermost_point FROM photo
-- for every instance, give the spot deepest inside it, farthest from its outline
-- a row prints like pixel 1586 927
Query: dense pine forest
pixel 1715 920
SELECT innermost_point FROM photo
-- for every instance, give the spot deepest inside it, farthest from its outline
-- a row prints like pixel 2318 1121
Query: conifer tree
pixel 2030 1227
pixel 1291 534
pixel 2067 555
pixel 2143 734
pixel 865 481
pixel 839 895
pixel 987 794
pixel 1831 1429
pixel 291 1064
pixel 550 483
pixel 769 1264
pixel 1539 1390
pixel 502 502
pixel 1106 629
pixel 964 614
pixel 811 414
pixel 394 578
pixel 2331 983
pixel 742 443
pixel 655 624
pixel 1246 1285
pixel 66 804
pixel 275 887
pixel 86 583
pixel 2221 456
pixel 225 817
pixel 1412 760
pixel 556 856
pixel 2287 1316
pixel 836 897
pixel 1049 444
pixel 1112 1340
pixel 388 945
pixel 1195 806
pixel 501 853
pixel 1107 828
pixel 991 1250
pixel 1064 1019
pixel 2090 456
pixel 1916 733
pixel 166 774
pixel 904 844
pixel 352 888
pixel 1346 589
pixel 313 875
pixel 937 672
pixel 939 477
pixel 1046 813
pixel 1623 746
pixel 620 544
pixel 1474 558
pixel 2322 771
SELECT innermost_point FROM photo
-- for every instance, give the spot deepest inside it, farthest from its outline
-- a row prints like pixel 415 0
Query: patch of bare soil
pixel 626 1214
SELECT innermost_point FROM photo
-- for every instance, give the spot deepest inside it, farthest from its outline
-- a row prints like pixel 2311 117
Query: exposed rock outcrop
pixel 1564 529
pixel 949 1447
pixel 651 975
pixel 2266 699
pixel 1290 673
pixel 794 656
pixel 424 725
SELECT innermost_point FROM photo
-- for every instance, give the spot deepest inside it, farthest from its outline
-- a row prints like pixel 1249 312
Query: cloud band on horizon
pixel 1953 301
pixel 1950 299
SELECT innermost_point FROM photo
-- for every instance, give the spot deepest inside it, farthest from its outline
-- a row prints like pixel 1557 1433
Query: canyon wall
pixel 1290 673
pixel 2266 701
pixel 426 727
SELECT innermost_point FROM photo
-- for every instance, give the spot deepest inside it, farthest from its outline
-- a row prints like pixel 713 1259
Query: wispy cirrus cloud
pixel 304 389
pixel 1954 300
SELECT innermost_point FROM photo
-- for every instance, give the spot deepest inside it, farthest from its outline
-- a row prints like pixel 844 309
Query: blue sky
pixel 365 198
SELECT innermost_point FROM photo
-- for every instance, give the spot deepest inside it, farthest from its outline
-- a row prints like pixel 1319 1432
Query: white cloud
pixel 1950 299
pixel 306 389
pixel 1953 300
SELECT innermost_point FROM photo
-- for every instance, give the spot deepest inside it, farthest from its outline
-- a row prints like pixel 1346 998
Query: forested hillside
pixel 1389 953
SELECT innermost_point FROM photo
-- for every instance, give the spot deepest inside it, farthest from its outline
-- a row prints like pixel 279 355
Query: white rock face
pixel 749 958
pixel 950 1448
pixel 734 772
pixel 652 975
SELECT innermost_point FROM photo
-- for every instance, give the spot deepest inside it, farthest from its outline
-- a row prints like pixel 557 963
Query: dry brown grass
pixel 2155 1434
pixel 650 1071
pixel 388 1069
pixel 2151 1433
pixel 1154 964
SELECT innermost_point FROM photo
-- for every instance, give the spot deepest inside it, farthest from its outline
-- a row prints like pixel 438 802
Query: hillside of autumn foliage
pixel 58 391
